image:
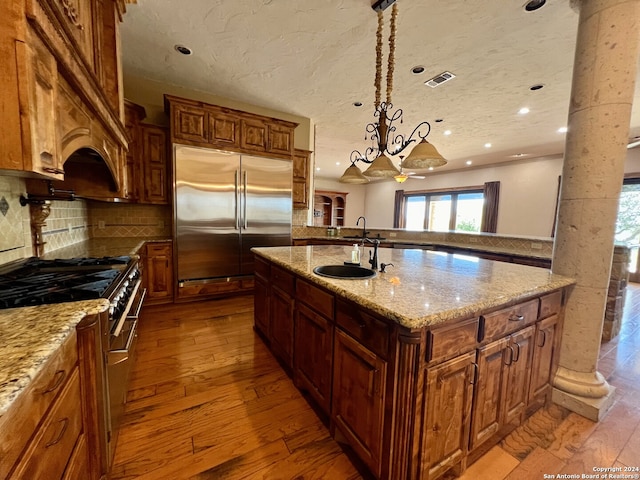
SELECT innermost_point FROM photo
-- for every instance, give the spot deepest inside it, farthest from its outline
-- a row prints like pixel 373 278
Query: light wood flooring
pixel 208 401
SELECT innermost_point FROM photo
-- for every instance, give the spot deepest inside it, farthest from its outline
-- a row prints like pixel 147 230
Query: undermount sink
pixel 349 272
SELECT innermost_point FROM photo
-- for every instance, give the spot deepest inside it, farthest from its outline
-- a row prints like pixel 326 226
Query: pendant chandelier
pixel 385 142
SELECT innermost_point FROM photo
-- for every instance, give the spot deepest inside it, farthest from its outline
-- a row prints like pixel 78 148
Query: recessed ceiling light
pixel 357 104
pixel 562 130
pixel 317 169
pixel 469 162
pixel 417 70
pixel 338 163
pixel 487 145
pixel 534 5
pixel 535 87
pixel 183 50
pixel 447 132
pixel 519 155
pixel 523 111
pixel 430 168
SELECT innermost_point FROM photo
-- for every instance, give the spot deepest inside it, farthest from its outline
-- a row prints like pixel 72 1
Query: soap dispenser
pixel 355 254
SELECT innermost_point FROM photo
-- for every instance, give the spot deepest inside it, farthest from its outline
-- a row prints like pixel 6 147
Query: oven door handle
pixel 119 356
pixel 120 324
pixel 139 306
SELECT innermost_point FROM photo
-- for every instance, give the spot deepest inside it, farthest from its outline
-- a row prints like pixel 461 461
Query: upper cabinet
pixel 301 168
pixel 61 92
pixel 147 166
pixel 211 126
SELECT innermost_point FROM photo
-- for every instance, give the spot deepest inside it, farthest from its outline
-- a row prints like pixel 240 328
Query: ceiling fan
pixel 402 177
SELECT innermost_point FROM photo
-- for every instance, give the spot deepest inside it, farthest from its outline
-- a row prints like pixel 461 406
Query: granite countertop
pixel 424 287
pixel 28 338
pixel 103 247
pixel 502 249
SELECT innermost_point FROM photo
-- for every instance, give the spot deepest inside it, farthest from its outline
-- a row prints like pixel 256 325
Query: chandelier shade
pixel 382 167
pixel 424 155
pixel 353 175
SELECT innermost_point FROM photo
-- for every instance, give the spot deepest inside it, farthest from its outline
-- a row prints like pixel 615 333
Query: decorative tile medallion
pixel 4 206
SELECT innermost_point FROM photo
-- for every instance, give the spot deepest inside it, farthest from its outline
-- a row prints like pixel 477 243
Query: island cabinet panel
pixel 372 332
pixel 542 364
pixel 261 309
pixel 359 380
pixel 313 347
pixel 452 340
pixel 447 415
pixel 502 322
pixel 518 374
pixel 282 308
pixel 489 393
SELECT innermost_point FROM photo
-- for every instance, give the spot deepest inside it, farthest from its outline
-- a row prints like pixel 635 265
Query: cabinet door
pixel 518 373
pixel 359 378
pixel 224 130
pixel 489 392
pixel 38 98
pixel 448 393
pixel 280 139
pixel 159 271
pixel 132 115
pixel 313 345
pixel 542 358
pixel 190 123
pixel 261 306
pixel 254 135
pixel 282 326
pixel 154 160
pixel 300 192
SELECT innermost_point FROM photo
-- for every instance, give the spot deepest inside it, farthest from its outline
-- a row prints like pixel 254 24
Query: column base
pixel 591 408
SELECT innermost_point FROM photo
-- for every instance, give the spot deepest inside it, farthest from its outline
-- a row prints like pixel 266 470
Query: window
pixel 460 211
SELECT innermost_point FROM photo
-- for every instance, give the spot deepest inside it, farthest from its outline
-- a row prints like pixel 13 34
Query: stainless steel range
pixel 118 279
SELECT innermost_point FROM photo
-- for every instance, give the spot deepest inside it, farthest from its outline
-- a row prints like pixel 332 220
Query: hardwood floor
pixel 208 401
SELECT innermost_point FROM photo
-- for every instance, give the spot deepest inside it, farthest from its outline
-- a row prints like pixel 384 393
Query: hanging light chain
pixel 392 52
pixel 378 79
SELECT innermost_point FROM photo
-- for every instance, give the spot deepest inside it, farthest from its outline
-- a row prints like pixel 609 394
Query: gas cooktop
pixel 37 282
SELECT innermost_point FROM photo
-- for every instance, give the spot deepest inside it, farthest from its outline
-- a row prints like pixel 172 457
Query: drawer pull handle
pixel 517 352
pixel 544 339
pixel 511 354
pixel 475 374
pixel 514 317
pixel 65 424
pixel 59 377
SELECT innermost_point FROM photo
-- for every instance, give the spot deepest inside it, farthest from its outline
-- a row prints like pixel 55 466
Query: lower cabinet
pixel 313 347
pixel 158 272
pixel 410 403
pixel 359 381
pixel 448 395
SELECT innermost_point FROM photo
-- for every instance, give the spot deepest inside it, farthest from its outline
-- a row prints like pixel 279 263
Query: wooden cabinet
pixel 329 208
pixel 46 44
pixel 518 372
pixel 147 165
pixel 281 309
pixel 261 309
pixel 212 126
pixel 313 347
pixel 447 418
pixel 359 383
pixel 44 435
pixel 301 178
pixel 158 272
pixel 38 98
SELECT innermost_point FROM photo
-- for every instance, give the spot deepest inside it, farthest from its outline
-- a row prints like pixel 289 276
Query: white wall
pixel 528 191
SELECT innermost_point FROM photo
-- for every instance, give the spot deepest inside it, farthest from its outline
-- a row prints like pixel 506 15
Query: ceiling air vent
pixel 439 79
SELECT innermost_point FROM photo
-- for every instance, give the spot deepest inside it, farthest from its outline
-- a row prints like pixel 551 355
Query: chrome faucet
pixel 364 228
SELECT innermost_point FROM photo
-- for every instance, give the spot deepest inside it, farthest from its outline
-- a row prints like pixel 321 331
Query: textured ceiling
pixel 316 58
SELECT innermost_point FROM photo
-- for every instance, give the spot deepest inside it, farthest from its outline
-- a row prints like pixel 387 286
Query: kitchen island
pixel 419 369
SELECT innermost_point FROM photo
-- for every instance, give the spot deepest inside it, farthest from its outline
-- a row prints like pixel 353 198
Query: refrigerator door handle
pixel 244 206
pixel 237 205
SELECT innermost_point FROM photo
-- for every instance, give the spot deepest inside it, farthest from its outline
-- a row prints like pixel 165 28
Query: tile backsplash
pixel 66 224
pixel 15 230
pixel 129 220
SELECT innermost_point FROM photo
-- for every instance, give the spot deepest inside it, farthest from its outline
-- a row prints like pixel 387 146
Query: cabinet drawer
pixel 262 268
pixel 318 299
pixel 500 323
pixel 550 304
pixel 54 441
pixel 28 410
pixel 282 279
pixel 452 340
pixel 370 331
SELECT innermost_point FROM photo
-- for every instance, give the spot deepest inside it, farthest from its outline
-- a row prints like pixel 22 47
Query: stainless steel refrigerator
pixel 226 203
